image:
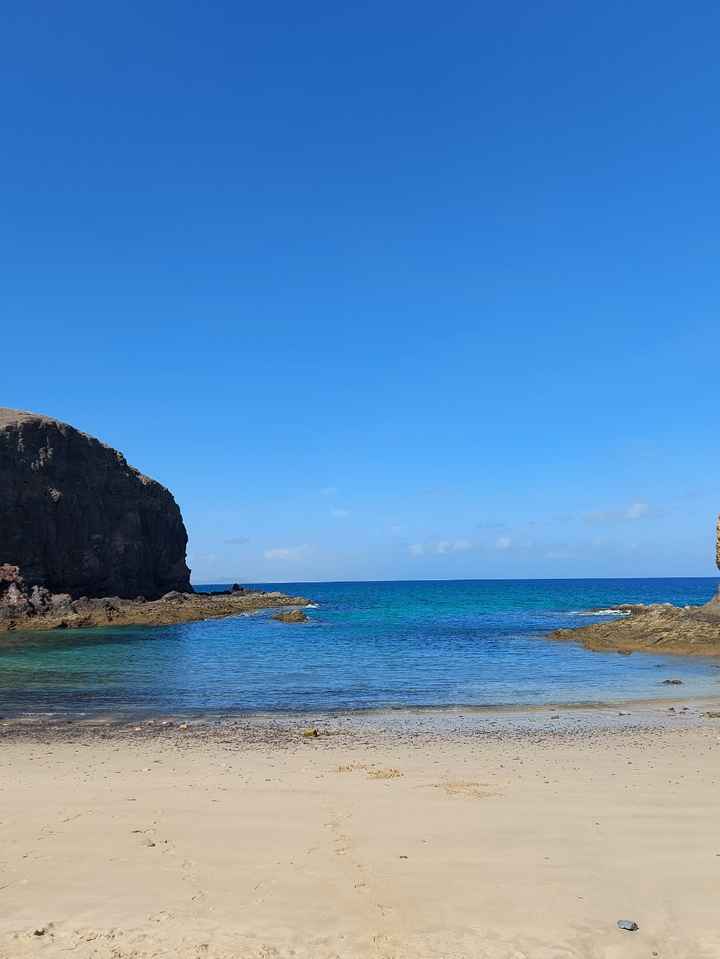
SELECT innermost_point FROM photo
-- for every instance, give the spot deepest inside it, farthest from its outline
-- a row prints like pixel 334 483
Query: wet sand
pixel 441 833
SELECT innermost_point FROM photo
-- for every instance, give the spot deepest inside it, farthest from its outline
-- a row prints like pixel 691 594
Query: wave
pixel 600 612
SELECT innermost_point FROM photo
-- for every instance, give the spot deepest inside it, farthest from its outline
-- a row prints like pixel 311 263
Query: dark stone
pixel 174 596
pixel 672 682
pixel 75 518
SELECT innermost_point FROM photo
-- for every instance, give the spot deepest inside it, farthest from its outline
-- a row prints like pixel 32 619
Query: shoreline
pixel 412 722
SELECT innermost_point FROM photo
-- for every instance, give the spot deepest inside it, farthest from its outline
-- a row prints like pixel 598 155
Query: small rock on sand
pixel 628 924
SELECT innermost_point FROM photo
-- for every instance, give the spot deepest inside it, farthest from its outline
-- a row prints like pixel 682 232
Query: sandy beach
pixel 384 837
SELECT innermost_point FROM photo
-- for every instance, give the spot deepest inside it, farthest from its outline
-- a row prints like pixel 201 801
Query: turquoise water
pixel 368 645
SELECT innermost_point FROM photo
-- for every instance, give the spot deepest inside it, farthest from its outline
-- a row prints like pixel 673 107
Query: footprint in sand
pixel 384 774
pixel 161 916
pixel 352 767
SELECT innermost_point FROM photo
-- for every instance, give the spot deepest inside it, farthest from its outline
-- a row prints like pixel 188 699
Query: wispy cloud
pixel 633 511
pixel 236 541
pixel 339 513
pixel 453 546
pixel 286 552
pixel 503 542
pixel 440 547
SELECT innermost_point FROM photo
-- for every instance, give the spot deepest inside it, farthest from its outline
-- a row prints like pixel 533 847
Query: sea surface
pixel 368 646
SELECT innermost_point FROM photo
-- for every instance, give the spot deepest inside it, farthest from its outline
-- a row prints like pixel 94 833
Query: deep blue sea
pixel 368 646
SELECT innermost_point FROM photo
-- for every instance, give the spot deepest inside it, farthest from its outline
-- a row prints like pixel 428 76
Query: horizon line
pixel 470 579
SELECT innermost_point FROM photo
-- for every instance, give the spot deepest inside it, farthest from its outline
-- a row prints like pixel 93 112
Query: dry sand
pixel 378 839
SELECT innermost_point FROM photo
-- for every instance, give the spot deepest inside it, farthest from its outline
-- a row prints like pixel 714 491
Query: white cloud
pixel 339 513
pixel 453 546
pixel 634 511
pixel 286 552
pixel 440 547
pixel 503 542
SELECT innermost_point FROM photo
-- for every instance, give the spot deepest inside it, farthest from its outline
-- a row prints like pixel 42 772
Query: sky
pixel 380 291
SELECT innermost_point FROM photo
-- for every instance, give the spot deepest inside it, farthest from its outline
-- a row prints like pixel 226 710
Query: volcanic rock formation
pixel 76 519
pixel 656 628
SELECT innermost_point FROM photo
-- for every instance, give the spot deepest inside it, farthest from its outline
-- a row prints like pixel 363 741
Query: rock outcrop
pixel 38 609
pixel 77 520
pixel 656 628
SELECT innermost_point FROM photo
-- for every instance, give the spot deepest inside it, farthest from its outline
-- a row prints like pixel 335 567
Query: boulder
pixel 293 616
pixel 77 519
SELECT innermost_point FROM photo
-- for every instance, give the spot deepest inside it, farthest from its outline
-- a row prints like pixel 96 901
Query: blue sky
pixel 396 291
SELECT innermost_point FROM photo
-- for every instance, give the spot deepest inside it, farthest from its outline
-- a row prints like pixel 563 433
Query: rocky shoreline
pixel 656 628
pixel 38 609
pixel 76 517
pixel 88 540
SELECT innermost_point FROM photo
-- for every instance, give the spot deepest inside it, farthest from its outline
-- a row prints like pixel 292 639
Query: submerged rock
pixel 293 616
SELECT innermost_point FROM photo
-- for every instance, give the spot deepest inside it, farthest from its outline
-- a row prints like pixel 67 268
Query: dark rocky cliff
pixel 76 518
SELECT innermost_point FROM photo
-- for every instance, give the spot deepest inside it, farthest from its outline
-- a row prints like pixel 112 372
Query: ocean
pixel 374 645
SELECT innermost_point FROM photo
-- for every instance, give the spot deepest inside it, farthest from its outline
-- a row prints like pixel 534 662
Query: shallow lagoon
pixel 367 646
